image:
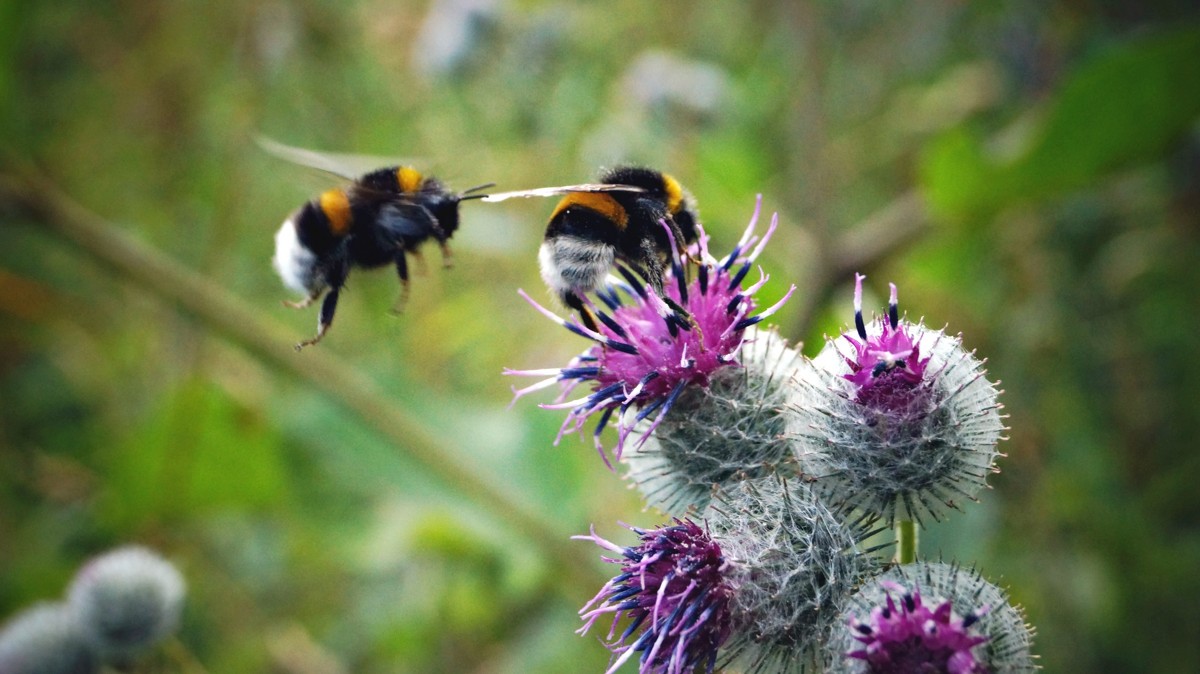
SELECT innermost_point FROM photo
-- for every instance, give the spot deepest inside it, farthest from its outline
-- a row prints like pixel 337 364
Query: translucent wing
pixel 408 220
pixel 349 166
pixel 562 189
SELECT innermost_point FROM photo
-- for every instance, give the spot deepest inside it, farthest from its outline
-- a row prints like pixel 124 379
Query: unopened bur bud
pixel 126 600
pixel 45 639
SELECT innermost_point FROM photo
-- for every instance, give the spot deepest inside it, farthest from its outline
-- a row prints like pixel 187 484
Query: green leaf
pixel 1124 106
pixel 200 451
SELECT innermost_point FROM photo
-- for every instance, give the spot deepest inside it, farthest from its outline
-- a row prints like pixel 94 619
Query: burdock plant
pixel 776 469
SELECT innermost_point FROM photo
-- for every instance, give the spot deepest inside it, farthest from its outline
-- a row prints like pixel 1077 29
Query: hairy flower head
pixel 647 351
pixel 45 639
pixel 733 429
pixel 896 419
pixel 758 588
pixel 931 617
pixel 126 600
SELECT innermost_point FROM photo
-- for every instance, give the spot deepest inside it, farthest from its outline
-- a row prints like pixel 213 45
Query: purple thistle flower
pixel 908 636
pixel 645 353
pixel 888 365
pixel 674 583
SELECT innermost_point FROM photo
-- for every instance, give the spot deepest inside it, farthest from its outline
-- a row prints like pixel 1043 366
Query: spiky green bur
pixel 792 566
pixel 45 639
pixel 977 607
pixel 902 450
pixel 126 601
pixel 730 430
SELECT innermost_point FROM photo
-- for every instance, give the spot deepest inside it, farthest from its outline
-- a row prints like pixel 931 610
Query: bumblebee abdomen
pixel 295 262
pixel 584 208
pixel 574 265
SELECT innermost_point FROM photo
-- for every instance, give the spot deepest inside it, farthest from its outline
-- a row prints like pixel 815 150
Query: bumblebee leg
pixel 327 308
pixel 422 268
pixel 304 303
pixel 652 271
pixel 402 272
pixel 585 313
pixel 447 256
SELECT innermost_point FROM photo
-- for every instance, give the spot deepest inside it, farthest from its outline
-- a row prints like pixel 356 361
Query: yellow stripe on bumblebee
pixel 409 179
pixel 599 202
pixel 336 206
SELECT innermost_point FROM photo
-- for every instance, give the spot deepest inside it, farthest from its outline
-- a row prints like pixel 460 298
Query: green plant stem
pixel 906 542
pixel 225 314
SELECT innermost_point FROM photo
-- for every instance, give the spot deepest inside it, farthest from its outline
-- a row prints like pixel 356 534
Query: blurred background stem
pixel 226 315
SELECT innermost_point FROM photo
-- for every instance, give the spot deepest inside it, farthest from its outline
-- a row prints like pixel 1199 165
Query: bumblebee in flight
pixel 594 227
pixel 377 220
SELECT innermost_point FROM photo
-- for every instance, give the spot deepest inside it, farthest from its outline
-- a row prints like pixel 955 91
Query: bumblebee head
pixel 444 208
pixel 660 187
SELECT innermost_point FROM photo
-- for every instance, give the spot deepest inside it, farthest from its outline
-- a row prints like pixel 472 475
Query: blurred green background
pixel 1027 172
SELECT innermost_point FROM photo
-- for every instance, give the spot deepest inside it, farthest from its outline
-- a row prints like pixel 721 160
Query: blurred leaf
pixel 1122 107
pixel 199 452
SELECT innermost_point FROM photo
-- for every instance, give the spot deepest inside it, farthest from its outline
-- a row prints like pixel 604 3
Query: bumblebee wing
pixel 562 189
pixel 349 166
pixel 404 218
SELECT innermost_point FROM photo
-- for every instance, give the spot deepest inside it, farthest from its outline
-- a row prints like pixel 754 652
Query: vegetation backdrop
pixel 1027 172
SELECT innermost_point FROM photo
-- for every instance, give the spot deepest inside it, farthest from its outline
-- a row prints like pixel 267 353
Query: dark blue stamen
pixel 600 425
pixel 703 279
pixel 637 622
pixel 609 297
pixel 674 396
pixel 971 619
pixel 731 259
pixel 879 369
pixel 578 372
pixel 612 325
pixel 649 409
pixel 859 325
pixel 633 281
pixel 747 322
pixel 625 593
pixel 680 280
pixel 733 303
pixel 864 629
pixel 604 393
pixel 575 328
pixel 909 603
pixel 894 315
pixel 640 644
pixel 737 278
pixel 621 346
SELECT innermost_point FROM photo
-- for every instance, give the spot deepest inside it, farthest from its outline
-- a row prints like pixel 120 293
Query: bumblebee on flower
pixel 645 354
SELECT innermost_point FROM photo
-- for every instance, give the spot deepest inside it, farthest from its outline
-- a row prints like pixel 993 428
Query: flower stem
pixel 906 542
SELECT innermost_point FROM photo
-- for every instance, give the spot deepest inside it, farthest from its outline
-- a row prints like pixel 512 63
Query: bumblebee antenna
pixel 463 194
